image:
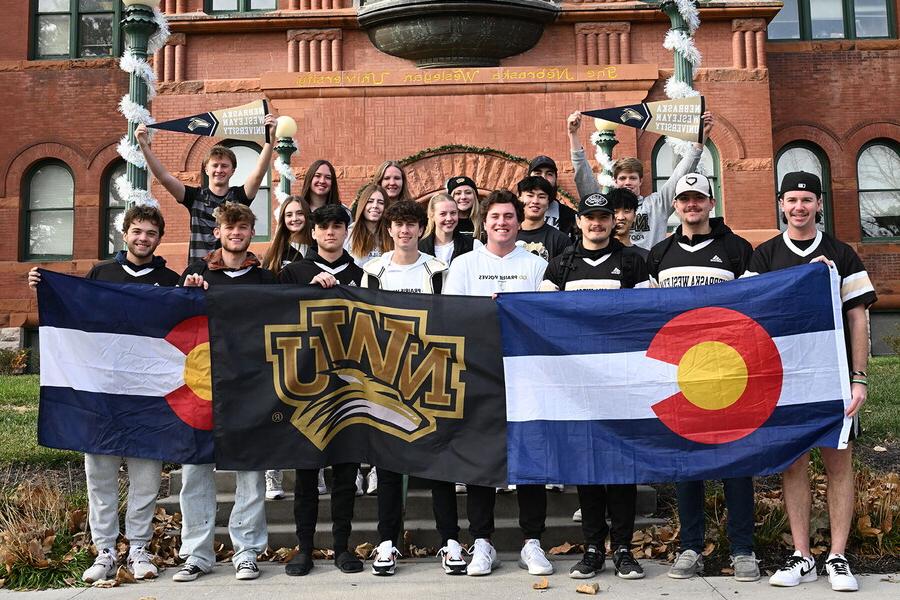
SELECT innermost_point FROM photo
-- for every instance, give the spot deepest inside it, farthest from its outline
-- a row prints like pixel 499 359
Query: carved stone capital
pixel 176 39
pixel 308 35
pixel 609 27
pixel 748 25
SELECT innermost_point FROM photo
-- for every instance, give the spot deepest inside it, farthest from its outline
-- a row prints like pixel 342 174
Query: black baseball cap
pixel 800 181
pixel 542 162
pixel 595 203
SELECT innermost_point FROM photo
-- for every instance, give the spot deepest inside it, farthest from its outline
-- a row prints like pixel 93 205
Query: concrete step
pixel 507 535
pixel 418 506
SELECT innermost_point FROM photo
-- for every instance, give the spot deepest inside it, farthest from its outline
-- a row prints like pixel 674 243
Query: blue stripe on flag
pixel 645 450
pixel 128 308
pixel 564 323
pixel 119 425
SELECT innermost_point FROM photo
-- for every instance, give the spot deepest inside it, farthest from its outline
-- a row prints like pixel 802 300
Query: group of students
pixel 458 244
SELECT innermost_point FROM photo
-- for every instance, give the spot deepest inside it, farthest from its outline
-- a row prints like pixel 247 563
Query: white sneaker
pixel 384 563
pixel 274 491
pixel 506 490
pixel 372 481
pixel 246 570
pixel 360 483
pixel 461 488
pixel 451 558
pixel 839 575
pixel 797 569
pixel 576 516
pixel 484 559
pixel 323 489
pixel 555 487
pixel 104 567
pixel 532 557
pixel 140 563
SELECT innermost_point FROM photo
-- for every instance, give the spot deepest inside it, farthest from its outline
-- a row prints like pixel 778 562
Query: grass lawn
pixel 18 426
pixel 19 401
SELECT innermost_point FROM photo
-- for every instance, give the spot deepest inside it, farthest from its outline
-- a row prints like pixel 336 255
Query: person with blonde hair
pixel 391 176
pixel 368 237
pixel 442 238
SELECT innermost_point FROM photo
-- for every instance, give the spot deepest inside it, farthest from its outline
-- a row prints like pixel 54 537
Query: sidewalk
pixel 424 579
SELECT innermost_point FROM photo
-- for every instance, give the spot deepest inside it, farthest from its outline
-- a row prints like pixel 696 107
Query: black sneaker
pixel 347 562
pixel 300 565
pixel 626 566
pixel 589 565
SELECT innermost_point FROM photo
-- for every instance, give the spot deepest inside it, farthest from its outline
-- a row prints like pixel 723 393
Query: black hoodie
pixel 680 261
pixel 302 272
pixel 120 270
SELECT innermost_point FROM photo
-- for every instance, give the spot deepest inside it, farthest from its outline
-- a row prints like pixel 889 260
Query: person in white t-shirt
pixel 406 269
pixel 499 266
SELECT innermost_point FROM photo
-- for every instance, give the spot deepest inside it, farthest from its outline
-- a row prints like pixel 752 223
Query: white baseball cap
pixel 694 182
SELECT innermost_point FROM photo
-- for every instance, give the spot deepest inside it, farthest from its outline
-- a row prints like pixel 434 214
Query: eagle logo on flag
pixel 349 363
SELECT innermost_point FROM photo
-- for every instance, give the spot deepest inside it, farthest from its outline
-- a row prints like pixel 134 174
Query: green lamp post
pixel 138 24
pixel 285 128
pixel 684 70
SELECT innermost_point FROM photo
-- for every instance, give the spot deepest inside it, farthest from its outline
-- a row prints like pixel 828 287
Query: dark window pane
pixel 95 35
pixel 113 199
pixel 53 35
pixel 786 24
pixel 50 233
pixel 114 241
pixel 871 18
pixel 827 18
pixel 95 5
pixel 53 6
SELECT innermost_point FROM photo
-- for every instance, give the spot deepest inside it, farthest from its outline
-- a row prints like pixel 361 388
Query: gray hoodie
pixel 654 210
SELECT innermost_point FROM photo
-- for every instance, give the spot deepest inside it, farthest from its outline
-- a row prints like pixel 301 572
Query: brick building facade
pixel 829 100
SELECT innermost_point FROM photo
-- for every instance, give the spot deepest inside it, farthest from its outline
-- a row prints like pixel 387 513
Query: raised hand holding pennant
pixel 681 118
pixel 245 122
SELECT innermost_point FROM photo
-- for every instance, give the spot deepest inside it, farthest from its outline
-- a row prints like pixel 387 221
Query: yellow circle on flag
pixel 712 375
pixel 197 374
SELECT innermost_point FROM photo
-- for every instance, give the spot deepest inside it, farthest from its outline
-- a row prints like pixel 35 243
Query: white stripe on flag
pixel 109 363
pixel 625 386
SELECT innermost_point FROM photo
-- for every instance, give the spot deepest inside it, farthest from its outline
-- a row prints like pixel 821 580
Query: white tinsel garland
pixel 284 169
pixel 679 41
pixel 682 43
pixel 135 113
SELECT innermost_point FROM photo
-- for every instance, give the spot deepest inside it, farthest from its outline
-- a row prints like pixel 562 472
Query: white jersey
pixel 416 278
pixel 482 273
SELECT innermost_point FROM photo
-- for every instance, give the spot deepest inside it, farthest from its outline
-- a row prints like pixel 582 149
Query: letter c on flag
pixel 729 372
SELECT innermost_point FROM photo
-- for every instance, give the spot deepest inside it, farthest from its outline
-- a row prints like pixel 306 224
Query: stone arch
pixel 491 169
pixel 27 156
pixel 728 140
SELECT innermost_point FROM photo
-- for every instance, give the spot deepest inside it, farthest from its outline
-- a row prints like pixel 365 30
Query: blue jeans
pixel 738 501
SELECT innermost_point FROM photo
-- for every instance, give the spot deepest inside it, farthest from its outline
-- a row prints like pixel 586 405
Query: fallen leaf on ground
pixel 364 550
pixel 564 548
pixel 543 584
pixel 147 598
pixel 891 579
pixel 727 571
pixel 105 583
pixel 123 575
pixel 709 549
pixel 591 589
pixel 879 449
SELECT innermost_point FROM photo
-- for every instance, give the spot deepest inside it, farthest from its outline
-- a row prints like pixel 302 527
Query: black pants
pixel 620 500
pixel 479 505
pixel 532 510
pixel 306 505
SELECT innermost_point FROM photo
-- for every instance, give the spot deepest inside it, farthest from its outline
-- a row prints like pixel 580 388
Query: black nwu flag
pixel 305 377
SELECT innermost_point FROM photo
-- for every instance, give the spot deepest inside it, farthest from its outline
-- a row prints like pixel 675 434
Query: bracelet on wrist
pixel 860 373
pixel 860 381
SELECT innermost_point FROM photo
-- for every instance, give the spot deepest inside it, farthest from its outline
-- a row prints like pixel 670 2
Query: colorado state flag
pixel 125 370
pixel 644 385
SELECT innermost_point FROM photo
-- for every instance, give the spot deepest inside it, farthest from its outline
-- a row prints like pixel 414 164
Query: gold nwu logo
pixel 351 363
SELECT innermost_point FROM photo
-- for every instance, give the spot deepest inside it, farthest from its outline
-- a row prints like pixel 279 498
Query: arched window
pixel 804 156
pixel 49 200
pixel 113 205
pixel 664 162
pixel 878 178
pixel 247 154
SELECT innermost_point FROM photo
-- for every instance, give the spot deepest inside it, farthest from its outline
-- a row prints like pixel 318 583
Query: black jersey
pixel 344 269
pixel 611 268
pixel 782 252
pixel 215 274
pixel 545 241
pixel 121 270
pixel 702 259
pixel 201 203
